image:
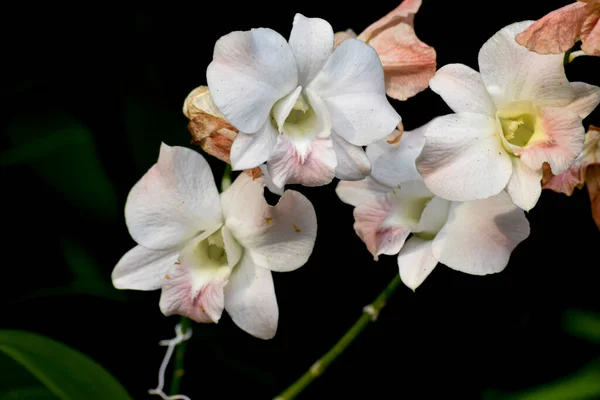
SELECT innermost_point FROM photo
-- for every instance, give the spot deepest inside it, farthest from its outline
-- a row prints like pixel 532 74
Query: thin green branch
pixel 370 313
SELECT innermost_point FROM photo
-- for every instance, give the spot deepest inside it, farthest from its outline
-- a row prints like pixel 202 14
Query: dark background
pixel 87 97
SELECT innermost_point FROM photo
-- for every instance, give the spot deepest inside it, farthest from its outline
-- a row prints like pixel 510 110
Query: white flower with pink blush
pixel 517 113
pixel 211 252
pixel 300 106
pixel 475 237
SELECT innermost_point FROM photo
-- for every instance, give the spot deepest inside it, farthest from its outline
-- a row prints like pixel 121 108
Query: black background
pixel 124 74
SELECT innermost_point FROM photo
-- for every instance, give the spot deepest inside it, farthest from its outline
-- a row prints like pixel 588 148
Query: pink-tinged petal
pixel 575 176
pixel 311 41
pixel 358 192
pixel 341 36
pixel 404 13
pixel 193 287
pixel 369 225
pixel 560 144
pixel 315 166
pixel 524 186
pixel 480 235
pixel 352 162
pixel 279 238
pixel 556 32
pixel 463 90
pixel 249 72
pixel 250 299
pixel 249 151
pixel 408 64
pixel 416 261
pixel 394 162
pixel 590 33
pixel 175 200
pixel 592 181
pixel 566 182
pixel 463 158
pixel 179 296
pixel 352 87
pixel 143 269
pixel 510 72
pixel 587 98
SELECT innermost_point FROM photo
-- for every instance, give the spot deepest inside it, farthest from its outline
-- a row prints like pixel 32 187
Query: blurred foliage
pixel 584 325
pixel 66 373
pixel 61 150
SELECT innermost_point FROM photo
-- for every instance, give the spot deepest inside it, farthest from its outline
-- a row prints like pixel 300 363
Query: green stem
pixel 178 370
pixel 369 314
pixel 226 179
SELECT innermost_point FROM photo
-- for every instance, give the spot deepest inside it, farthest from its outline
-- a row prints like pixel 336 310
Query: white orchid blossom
pixel 299 105
pixel 515 114
pixel 209 252
pixel 475 237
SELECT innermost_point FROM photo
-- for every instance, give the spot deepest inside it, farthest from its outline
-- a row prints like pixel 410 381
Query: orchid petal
pixel 587 98
pixel 524 186
pixel 194 285
pixel 381 238
pixel 250 71
pixel 311 41
pixel 561 141
pixel 249 151
pixel 175 200
pixel 511 72
pixel 143 269
pixel 352 87
pixel 352 162
pixel 416 261
pixel 463 158
pixel 233 249
pixel 433 218
pixel 404 13
pixel 358 192
pixel 279 238
pixel 480 235
pixel 314 167
pixel 557 31
pixel 408 63
pixel 590 33
pixel 250 299
pixel 394 163
pixel 463 90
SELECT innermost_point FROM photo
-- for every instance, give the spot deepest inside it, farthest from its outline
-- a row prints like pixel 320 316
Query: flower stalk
pixel 370 313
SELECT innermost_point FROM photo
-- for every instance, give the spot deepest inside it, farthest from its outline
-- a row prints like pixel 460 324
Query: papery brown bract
pixel 209 128
pixel 559 30
pixel 408 63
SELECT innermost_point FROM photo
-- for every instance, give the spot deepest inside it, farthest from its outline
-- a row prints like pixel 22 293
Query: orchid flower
pixel 475 237
pixel 517 113
pixel 408 63
pixel 585 170
pixel 558 31
pixel 210 252
pixel 300 106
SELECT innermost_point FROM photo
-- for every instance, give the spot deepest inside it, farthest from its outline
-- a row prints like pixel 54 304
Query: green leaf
pixel 67 373
pixel 30 393
pixel 582 385
pixel 583 324
pixel 62 152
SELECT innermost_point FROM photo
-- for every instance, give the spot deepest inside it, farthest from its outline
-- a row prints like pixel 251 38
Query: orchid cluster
pixel 315 107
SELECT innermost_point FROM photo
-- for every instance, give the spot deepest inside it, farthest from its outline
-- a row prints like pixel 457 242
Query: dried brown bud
pixel 209 128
